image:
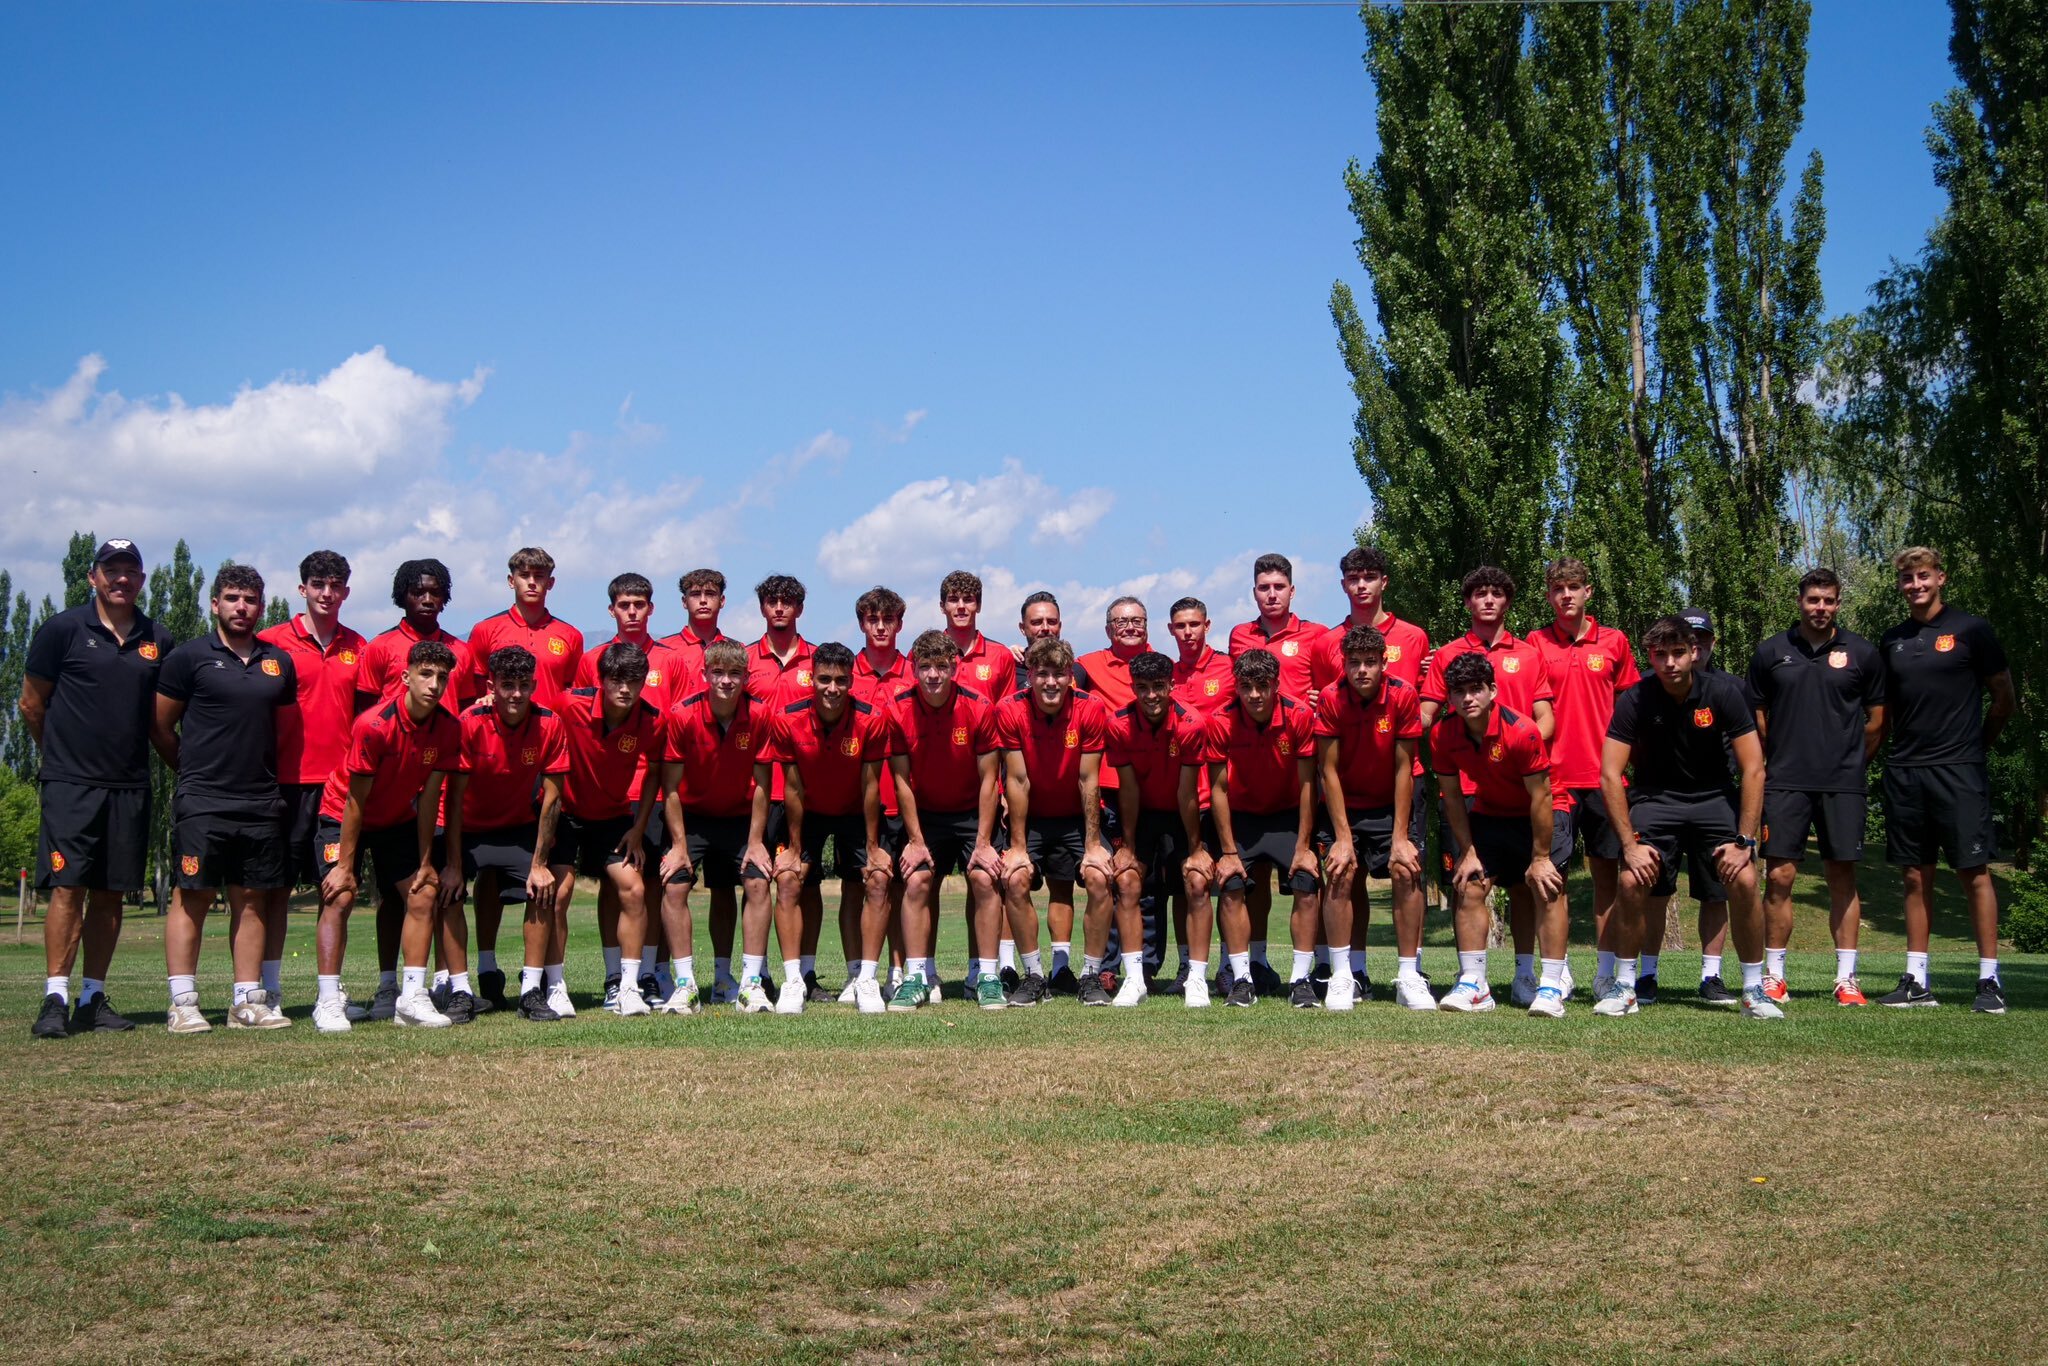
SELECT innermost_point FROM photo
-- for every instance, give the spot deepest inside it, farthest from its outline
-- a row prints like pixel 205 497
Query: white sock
pixel 1197 967
pixel 529 978
pixel 1062 954
pixel 1034 964
pixel 1322 955
pixel 387 979
pixel 551 975
pixel 723 968
pixel 1240 966
pixel 60 987
pixel 273 978
pixel 1304 964
pixel 612 957
pixel 753 965
pixel 1845 963
pixel 684 968
pixel 1774 962
pixel 1603 963
pixel 1649 965
pixel 1259 952
pixel 1410 966
pixel 1006 953
pixel 458 981
pixel 984 967
pixel 864 970
pixel 1472 967
pixel 1710 965
pixel 329 987
pixel 1916 967
pixel 486 960
pixel 182 985
pixel 1987 968
pixel 793 971
pixel 1358 960
pixel 1553 973
pixel 1752 974
pixel 1090 964
pixel 90 988
pixel 242 990
pixel 415 978
pixel 1625 973
pixel 1525 965
pixel 440 978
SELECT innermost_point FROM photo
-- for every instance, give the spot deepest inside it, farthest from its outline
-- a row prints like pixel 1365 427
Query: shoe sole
pixel 1909 1005
pixel 332 1029
pixel 404 1023
pixel 539 1019
pixel 1987 1010
pixel 188 1029
pixel 1546 1014
pixel 233 1023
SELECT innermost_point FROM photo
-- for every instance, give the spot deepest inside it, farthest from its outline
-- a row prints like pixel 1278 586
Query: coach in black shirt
pixel 1939 663
pixel 88 686
pixel 1819 694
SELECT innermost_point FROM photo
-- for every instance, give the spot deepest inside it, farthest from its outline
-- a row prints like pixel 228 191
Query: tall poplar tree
pixel 177 596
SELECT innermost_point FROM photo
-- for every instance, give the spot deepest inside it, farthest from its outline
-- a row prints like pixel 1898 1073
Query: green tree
pixel 20 821
pixel 276 613
pixel 177 597
pixel 78 566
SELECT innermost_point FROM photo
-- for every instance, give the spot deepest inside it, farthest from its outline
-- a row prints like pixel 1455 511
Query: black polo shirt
pixel 1678 747
pixel 1934 676
pixel 227 740
pixel 1816 698
pixel 97 729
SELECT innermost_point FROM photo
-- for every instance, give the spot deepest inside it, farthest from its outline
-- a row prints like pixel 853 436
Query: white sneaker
pixel 895 979
pixel 1132 992
pixel 850 997
pixel 184 1017
pixel 1342 993
pixel 256 1012
pixel 1549 1002
pixel 1616 1000
pixel 1570 983
pixel 867 994
pixel 1757 1006
pixel 1602 983
pixel 331 1017
pixel 416 1010
pixel 790 1000
pixel 753 998
pixel 631 1002
pixel 1411 992
pixel 725 991
pixel 1196 992
pixel 934 991
pixel 681 1000
pixel 559 1002
pixel 1467 998
pixel 1523 991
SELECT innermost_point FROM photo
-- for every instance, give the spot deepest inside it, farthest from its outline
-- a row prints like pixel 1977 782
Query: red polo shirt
pixel 688 647
pixel 718 765
pixel 988 669
pixel 381 671
pixel 1407 649
pixel 829 756
pixel 505 766
pixel 1588 674
pixel 662 666
pixel 1365 732
pixel 557 649
pixel 1291 645
pixel 313 736
pixel 1518 670
pixel 1052 747
pixel 878 689
pixel 779 684
pixel 945 745
pixel 1261 761
pixel 1205 682
pixel 605 766
pixel 398 755
pixel 1109 679
pixel 1157 754
pixel 1493 769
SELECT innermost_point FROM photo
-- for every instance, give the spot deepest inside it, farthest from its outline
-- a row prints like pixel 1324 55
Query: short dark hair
pixel 1566 569
pixel 1187 605
pixel 831 655
pixel 531 557
pixel 934 647
pixel 1487 576
pixel 1255 666
pixel 785 587
pixel 1151 667
pixel 244 576
pixel 511 661
pixel 701 578
pixel 412 573
pixel 429 652
pixel 879 602
pixel 1273 564
pixel 1364 642
pixel 1049 652
pixel 1667 632
pixel 1820 576
pixel 1469 670
pixel 323 564
pixel 1040 596
pixel 1365 559
pixel 960 584
pixel 622 661
pixel 628 586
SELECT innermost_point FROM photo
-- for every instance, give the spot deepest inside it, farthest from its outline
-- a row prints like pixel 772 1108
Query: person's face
pixel 1256 696
pixel 530 586
pixel 238 610
pixel 117 581
pixel 620 693
pixel 961 611
pixel 703 604
pixel 1487 605
pixel 1472 700
pixel 935 680
pixel 1041 621
pixel 1050 686
pixel 831 685
pixel 780 613
pixel 1674 664
pixel 1365 588
pixel 880 632
pixel 1818 607
pixel 511 696
pixel 1190 630
pixel 1703 648
pixel 1364 672
pixel 727 682
pixel 324 596
pixel 424 684
pixel 1569 600
pixel 1153 696
pixel 1127 626
pixel 632 612
pixel 1273 592
pixel 424 600
pixel 1922 585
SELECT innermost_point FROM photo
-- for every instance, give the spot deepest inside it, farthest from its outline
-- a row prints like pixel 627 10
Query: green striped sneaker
pixel 909 996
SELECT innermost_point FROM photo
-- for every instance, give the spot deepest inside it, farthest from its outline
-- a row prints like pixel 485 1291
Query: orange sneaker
pixel 1775 988
pixel 1847 993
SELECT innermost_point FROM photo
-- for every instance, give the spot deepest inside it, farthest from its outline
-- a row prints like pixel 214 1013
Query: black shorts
pixel 716 846
pixel 1110 821
pixel 394 851
pixel 1838 817
pixel 1504 843
pixel 230 849
pixel 301 827
pixel 1701 880
pixel 1587 824
pixel 1270 838
pixel 93 837
pixel 506 854
pixel 654 841
pixel 591 846
pixel 1936 813
pixel 1055 844
pixel 1684 831
pixel 1372 835
pixel 1161 844
pixel 950 835
pixel 849 836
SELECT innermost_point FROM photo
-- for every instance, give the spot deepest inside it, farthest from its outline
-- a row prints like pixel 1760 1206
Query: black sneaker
pixel 1713 992
pixel 650 990
pixel 461 1008
pixel 440 994
pixel 1990 997
pixel 1302 995
pixel 1030 991
pixel 384 1004
pixel 533 1005
pixel 1010 980
pixel 611 993
pixel 1220 984
pixel 1063 982
pixel 1092 992
pixel 99 1016
pixel 1908 994
pixel 1646 990
pixel 54 1020
pixel 1241 993
pixel 1265 981
pixel 815 992
pixel 1361 985
pixel 490 992
pixel 1179 985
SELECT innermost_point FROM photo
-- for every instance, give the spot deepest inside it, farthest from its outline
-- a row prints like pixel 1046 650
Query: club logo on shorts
pixel 1448 863
pixel 1511 665
pixel 1211 687
pixel 529 756
pixel 271 667
pixel 628 743
pixel 557 646
pixel 330 853
pixel 983 672
pixel 1942 644
pixel 56 862
pixel 1703 717
pixel 1385 725
pixel 189 865
pixel 850 746
pixel 148 648
pixel 1596 663
pixel 1765 834
pixel 1073 739
pixel 1838 659
pixel 348 656
pixel 1498 752
pixel 959 735
pixel 1393 654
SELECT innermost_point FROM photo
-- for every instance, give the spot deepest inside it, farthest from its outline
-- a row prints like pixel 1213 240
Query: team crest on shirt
pixel 1596 663
pixel 850 746
pixel 1291 648
pixel 803 678
pixel 1511 665
pixel 1385 725
pixel 148 647
pixel 628 743
pixel 56 862
pixel 1073 739
pixel 1498 752
pixel 271 667
pixel 557 646
pixel 1703 717
pixel 1393 654
pixel 654 678
pixel 1173 749
pixel 1942 645
pixel 1838 659
pixel 982 672
pixel 529 756
pixel 330 853
pixel 1286 746
pixel 348 656
pixel 189 865
pixel 959 735
pixel 744 740
pixel 1211 687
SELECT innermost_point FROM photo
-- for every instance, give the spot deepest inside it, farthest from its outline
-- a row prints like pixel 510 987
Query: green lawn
pixel 1150 1184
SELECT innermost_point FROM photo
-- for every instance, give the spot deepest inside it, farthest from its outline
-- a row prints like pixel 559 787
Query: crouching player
pixel 1157 747
pixel 1507 833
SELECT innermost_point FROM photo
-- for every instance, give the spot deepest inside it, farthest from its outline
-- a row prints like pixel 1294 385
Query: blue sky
pixel 852 295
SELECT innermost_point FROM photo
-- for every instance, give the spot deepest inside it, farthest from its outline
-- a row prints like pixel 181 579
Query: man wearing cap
pixel 88 693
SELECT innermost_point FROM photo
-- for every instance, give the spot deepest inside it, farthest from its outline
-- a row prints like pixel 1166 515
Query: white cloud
pixel 900 433
pixel 933 525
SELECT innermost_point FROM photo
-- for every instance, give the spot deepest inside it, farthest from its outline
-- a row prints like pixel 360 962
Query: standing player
pixel 1368 730
pixel 1671 727
pixel 1261 756
pixel 1707 891
pixel 1508 835
pixel 1819 694
pixel 779 672
pixel 87 695
pixel 217 703
pixel 631 599
pixel 703 592
pixel 1159 746
pixel 881 672
pixel 556 646
pixel 312 737
pixel 382 801
pixel 1276 629
pixel 1940 662
pixel 985 668
pixel 1588 666
pixel 1109 677
pixel 1201 674
pixel 1054 736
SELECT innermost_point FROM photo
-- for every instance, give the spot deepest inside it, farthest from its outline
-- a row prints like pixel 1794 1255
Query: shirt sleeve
pixel 1625 672
pixel 1987 656
pixel 1117 742
pixel 1407 710
pixel 1738 717
pixel 1874 678
pixel 1304 725
pixel 288 668
pixel 1441 758
pixel 1433 677
pixel 1622 725
pixel 1545 688
pixel 47 650
pixel 1535 754
pixel 174 676
pixel 1094 727
pixel 554 745
pixel 448 752
pixel 366 747
pixel 988 736
pixel 1327 703
pixel 1758 676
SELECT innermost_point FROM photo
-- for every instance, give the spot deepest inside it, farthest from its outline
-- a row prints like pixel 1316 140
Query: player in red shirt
pixel 1201 675
pixel 779 672
pixel 1261 756
pixel 1107 674
pixel 515 760
pixel 703 592
pixel 312 737
pixel 1588 665
pixel 421 589
pixel 717 808
pixel 985 667
pixel 945 767
pixel 613 737
pixel 831 748
pixel 555 644
pixel 1158 746
pixel 880 674
pixel 1276 629
pixel 382 800
pixel 1053 739
pixel 1368 732
pixel 1510 835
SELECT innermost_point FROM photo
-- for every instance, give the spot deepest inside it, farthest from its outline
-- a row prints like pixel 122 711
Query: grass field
pixel 1155 1185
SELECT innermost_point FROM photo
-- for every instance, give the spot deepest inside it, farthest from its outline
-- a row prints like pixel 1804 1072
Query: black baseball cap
pixel 117 548
pixel 1698 620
